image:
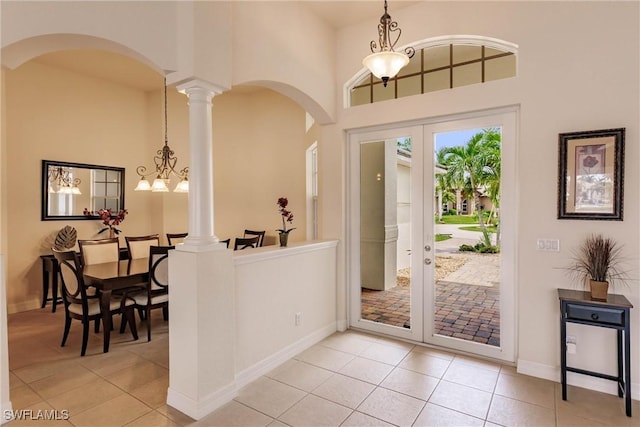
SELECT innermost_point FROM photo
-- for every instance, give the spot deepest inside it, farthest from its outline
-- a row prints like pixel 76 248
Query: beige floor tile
pixel 490 424
pixel 472 376
pixel 508 370
pixel 63 381
pixel 234 414
pixel 479 363
pixel 411 383
pixel 510 412
pixel 358 419
pixel 108 363
pixel 276 423
pixel 14 381
pixel 154 393
pixel 461 398
pixel 115 412
pixel 141 373
pixel 345 391
pixel 347 342
pixel 393 342
pixel 176 416
pixel 40 371
pixel 23 396
pixel 325 357
pixel 85 397
pixel 568 419
pixel 315 411
pixel 527 389
pixel 425 364
pixel 153 419
pixel 438 416
pixel 269 396
pixel 302 375
pixel 392 407
pixel 434 352
pixel 391 355
pixel 601 407
pixel 366 370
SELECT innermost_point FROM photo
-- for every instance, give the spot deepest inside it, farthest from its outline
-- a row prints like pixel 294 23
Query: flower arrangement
pixel 108 219
pixel 287 215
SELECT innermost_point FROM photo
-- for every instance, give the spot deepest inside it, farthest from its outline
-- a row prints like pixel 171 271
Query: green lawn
pixel 490 228
pixel 441 237
pixel 460 219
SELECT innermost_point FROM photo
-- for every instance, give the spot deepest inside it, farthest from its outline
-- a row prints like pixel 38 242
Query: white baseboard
pixel 552 373
pixel 197 409
pixel 341 325
pixel 254 372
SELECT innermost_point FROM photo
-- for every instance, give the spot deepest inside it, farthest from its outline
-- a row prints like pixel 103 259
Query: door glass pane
pixel 468 273
pixel 385 231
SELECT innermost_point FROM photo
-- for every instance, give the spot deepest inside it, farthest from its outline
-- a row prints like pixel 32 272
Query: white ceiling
pixel 123 70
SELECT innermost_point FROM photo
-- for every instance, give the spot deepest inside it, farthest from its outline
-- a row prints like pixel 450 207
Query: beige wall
pixel 54 114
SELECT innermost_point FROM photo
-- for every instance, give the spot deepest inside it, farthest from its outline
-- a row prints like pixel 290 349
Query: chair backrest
pixel 175 238
pixel 226 241
pixel 159 267
pixel 99 251
pixel 260 234
pixel 70 270
pixel 244 243
pixel 138 246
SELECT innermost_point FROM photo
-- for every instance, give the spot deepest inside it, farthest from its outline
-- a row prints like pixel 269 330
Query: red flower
pixel 108 218
pixel 287 215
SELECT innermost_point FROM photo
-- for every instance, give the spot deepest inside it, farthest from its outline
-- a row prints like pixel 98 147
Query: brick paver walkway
pixel 466 307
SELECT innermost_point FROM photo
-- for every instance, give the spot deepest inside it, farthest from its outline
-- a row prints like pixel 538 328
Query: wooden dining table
pixel 111 276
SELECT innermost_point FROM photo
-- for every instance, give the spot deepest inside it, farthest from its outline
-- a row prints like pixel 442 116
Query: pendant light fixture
pixel 165 162
pixel 62 179
pixel 386 63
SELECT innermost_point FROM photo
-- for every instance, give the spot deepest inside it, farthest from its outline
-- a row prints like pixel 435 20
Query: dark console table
pixel 50 277
pixel 578 307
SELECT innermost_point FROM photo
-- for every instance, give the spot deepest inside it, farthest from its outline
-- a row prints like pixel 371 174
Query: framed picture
pixel 590 174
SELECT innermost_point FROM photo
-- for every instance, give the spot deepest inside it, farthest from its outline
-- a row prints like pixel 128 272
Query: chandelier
pixel 165 161
pixel 61 177
pixel 386 63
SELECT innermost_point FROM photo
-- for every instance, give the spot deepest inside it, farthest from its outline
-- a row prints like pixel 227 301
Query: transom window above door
pixel 440 67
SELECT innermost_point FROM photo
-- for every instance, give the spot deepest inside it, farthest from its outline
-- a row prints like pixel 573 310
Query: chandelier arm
pixel 140 170
pixel 410 51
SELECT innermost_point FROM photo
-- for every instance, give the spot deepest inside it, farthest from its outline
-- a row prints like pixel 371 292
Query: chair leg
pixel 123 323
pixel 141 313
pixel 96 326
pixel 85 336
pixel 67 327
pixel 165 312
pixel 131 318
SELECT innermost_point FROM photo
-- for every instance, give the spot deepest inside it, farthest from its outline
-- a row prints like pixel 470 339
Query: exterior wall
pixel 559 88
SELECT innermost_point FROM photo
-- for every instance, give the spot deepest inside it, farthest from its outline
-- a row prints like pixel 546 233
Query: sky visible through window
pixel 455 138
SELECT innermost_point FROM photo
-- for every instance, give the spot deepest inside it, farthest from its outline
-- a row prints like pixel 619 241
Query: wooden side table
pixel 578 307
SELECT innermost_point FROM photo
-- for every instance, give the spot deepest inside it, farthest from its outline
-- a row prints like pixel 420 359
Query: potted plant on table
pixel 287 216
pixel 596 263
pixel 109 220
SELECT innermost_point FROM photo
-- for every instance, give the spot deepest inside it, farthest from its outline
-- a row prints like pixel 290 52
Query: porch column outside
pixel 200 94
pixel 202 310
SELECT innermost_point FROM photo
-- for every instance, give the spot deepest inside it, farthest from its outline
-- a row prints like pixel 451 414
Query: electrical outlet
pixel 298 318
pixel 548 245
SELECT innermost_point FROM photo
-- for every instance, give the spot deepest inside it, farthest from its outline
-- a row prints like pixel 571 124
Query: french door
pixel 394 202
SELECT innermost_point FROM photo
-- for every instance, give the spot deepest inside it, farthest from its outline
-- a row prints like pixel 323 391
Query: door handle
pixel 427 248
pixel 427 261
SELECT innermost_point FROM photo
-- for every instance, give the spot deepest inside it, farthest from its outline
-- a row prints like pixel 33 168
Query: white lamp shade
pixel 143 185
pixel 385 64
pixel 75 190
pixel 159 186
pixel 182 187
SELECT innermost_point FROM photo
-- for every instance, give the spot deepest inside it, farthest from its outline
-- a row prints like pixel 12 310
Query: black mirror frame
pixel 567 146
pixel 45 186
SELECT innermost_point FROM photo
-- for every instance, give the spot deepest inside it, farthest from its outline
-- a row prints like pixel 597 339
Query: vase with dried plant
pixel 287 216
pixel 109 219
pixel 597 264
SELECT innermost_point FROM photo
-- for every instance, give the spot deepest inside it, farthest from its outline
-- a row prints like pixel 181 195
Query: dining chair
pixel 256 233
pixel 226 242
pixel 81 306
pixel 99 251
pixel 175 238
pixel 244 243
pixel 138 246
pixel 157 292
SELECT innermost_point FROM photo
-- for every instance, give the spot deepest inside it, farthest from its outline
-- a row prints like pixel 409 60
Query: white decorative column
pixel 200 94
pixel 202 310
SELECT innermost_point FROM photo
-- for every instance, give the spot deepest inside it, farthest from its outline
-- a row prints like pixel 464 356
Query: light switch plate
pixel 548 245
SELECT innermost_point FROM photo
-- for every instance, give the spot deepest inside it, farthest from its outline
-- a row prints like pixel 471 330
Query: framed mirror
pixel 69 188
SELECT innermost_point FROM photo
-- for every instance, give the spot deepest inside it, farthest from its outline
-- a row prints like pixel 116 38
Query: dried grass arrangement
pixel 596 264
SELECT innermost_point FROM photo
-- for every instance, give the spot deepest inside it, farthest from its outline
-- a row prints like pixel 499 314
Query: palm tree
pixel 477 161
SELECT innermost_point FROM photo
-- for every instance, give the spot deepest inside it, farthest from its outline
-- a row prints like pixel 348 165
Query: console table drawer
pixel 595 314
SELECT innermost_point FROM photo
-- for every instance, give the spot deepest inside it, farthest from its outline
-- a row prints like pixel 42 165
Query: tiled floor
pixel 349 379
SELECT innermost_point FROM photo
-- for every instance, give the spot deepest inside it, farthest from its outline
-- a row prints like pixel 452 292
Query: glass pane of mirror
pixel 69 188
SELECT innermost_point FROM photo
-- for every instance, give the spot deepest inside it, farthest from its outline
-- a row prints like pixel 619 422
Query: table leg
pixel 620 365
pixel 563 352
pixel 105 306
pixel 45 283
pixel 627 366
pixel 54 290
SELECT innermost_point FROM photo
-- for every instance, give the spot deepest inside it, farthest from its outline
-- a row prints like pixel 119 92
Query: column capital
pixel 197 85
